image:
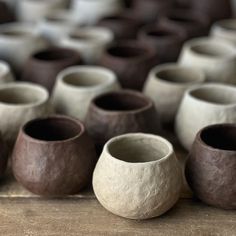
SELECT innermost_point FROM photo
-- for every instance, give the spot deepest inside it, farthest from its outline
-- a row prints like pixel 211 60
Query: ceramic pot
pixel 90 42
pixel 6 75
pixel 137 176
pixel 131 61
pixel 165 39
pixel 77 86
pixel 19 103
pixel 211 165
pixel 117 113
pixel 6 15
pixel 89 12
pixel 166 85
pixel 204 105
pixel 217 58
pixel 53 156
pixel 21 38
pixel 44 66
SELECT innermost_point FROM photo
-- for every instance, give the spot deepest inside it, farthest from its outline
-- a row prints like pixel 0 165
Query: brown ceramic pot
pixel 211 166
pixel 118 113
pixel 131 61
pixel 43 67
pixel 53 156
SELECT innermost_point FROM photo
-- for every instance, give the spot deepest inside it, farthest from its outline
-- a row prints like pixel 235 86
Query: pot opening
pixel 52 129
pixel 138 149
pixel 126 51
pixel 114 18
pixel 220 137
pixel 159 33
pixel 121 102
pixel 82 36
pixel 15 33
pixel 181 19
pixel 55 19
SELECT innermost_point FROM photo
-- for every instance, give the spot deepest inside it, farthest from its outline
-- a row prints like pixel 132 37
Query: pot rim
pixel 142 135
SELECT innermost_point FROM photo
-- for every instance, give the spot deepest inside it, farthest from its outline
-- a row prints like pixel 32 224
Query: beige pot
pixel 137 176
pixel 6 75
pixel 77 86
pixel 166 85
pixel 216 57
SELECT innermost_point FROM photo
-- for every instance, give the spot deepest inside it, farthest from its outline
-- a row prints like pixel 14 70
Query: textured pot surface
pixel 137 176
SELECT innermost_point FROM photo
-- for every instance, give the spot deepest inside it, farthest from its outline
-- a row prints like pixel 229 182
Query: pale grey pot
pixel 6 75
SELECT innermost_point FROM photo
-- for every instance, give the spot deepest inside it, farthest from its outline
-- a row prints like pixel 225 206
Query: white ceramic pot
pixel 137 176
pixel 216 57
pixel 89 42
pixel 166 85
pixel 90 11
pixel 77 86
pixel 17 42
pixel 19 103
pixel 202 106
pixel 6 75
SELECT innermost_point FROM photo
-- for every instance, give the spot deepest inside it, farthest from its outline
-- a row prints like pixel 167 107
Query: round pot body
pixel 204 105
pixel 19 103
pixel 77 86
pixel 44 66
pixel 211 165
pixel 166 85
pixel 131 61
pixel 216 57
pixel 6 75
pixel 121 112
pixel 90 42
pixel 53 156
pixel 137 176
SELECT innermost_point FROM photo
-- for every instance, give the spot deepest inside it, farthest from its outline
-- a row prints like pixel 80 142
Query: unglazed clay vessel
pixel 211 166
pixel 90 42
pixel 121 112
pixel 6 75
pixel 216 57
pixel 137 176
pixel 53 156
pixel 77 86
pixel 204 105
pixel 131 61
pixel 19 103
pixel 166 85
pixel 44 66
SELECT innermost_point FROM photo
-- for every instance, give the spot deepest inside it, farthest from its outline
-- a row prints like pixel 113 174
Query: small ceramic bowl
pixel 137 176
pixel 6 75
pixel 211 165
pixel 53 156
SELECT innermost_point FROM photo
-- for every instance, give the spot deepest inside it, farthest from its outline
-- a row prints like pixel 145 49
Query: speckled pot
pixel 53 156
pixel 211 165
pixel 166 85
pixel 6 75
pixel 44 66
pixel 117 113
pixel 77 86
pixel 131 61
pixel 216 57
pixel 204 105
pixel 137 176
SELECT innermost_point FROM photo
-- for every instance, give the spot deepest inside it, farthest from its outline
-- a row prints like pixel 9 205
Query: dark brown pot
pixel 5 13
pixel 211 167
pixel 166 40
pixel 53 156
pixel 131 61
pixel 43 67
pixel 118 113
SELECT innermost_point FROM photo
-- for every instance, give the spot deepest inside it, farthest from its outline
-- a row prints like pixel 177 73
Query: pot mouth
pixel 139 148
pixel 219 136
pixel 53 129
pixel 181 19
pixel 22 94
pixel 229 24
pixel 160 33
pixel 4 68
pixel 125 101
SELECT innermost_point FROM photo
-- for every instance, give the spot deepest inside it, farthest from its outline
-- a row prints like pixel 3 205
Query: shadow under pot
pixel 137 176
pixel 211 166
pixel 131 61
pixel 117 113
pixel 43 67
pixel 53 156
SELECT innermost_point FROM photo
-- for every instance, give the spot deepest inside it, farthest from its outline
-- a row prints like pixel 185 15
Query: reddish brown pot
pixel 43 67
pixel 131 61
pixel 53 156
pixel 118 113
pixel 211 166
